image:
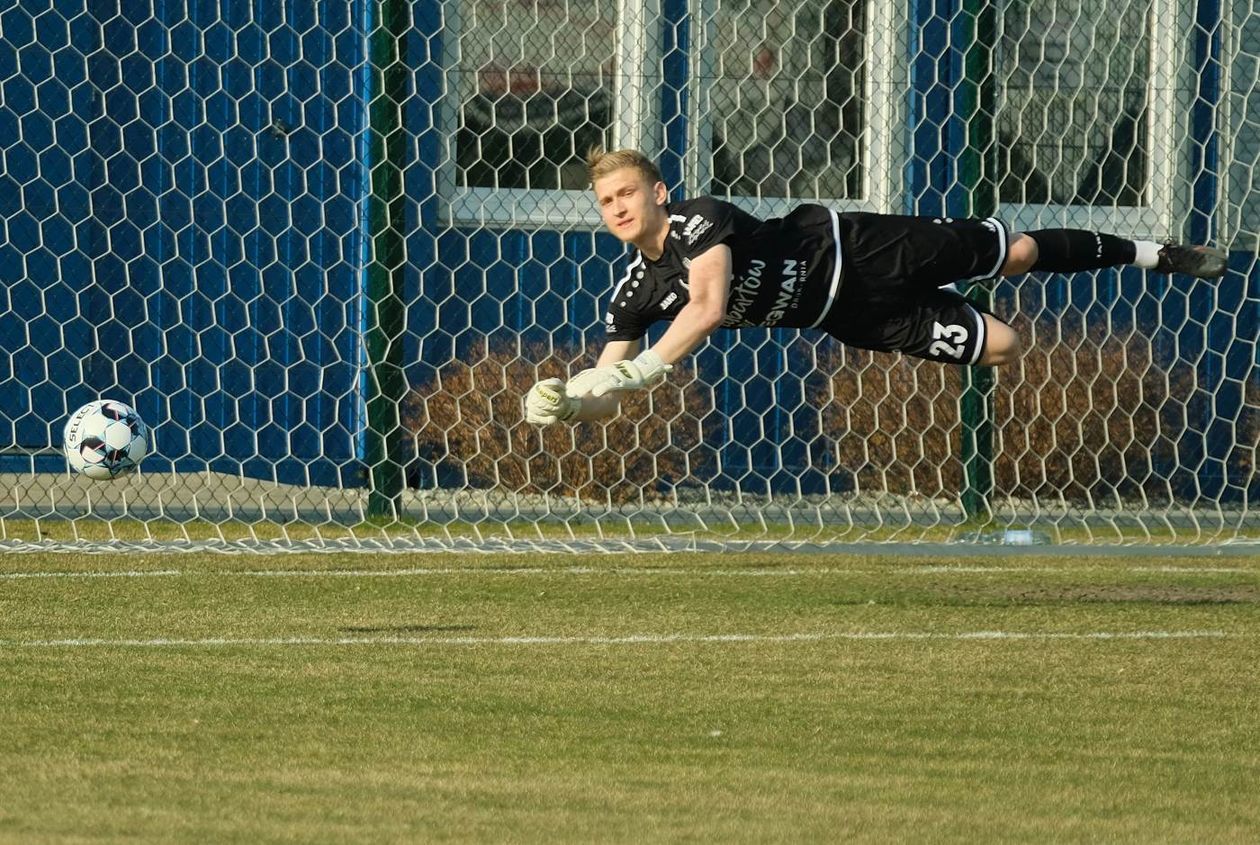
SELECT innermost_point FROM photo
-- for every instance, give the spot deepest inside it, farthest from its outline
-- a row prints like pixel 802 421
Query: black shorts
pixel 893 292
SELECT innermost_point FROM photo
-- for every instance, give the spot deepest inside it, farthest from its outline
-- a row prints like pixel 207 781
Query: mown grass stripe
pixel 628 639
pixel 759 572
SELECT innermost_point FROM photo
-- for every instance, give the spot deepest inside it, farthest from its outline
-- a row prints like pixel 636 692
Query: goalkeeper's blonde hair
pixel 601 162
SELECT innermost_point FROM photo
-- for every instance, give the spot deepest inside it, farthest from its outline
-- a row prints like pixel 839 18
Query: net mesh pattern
pixel 189 198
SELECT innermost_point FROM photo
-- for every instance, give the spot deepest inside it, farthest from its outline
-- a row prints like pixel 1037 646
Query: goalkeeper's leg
pixel 1076 250
pixel 941 325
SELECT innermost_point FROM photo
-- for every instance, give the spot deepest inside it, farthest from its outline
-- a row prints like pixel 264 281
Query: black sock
pixel 1073 250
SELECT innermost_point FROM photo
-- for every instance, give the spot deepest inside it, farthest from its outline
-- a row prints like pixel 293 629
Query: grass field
pixel 685 697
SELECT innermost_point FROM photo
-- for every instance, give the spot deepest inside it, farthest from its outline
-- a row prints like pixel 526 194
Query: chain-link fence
pixel 325 248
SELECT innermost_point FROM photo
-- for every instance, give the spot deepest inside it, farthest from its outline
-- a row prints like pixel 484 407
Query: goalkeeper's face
pixel 633 208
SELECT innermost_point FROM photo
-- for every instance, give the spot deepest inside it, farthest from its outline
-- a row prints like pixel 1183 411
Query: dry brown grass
pixel 1083 417
pixel 471 418
pixel 1090 416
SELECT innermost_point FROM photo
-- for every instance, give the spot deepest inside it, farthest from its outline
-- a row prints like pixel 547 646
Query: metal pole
pixel 978 90
pixel 386 210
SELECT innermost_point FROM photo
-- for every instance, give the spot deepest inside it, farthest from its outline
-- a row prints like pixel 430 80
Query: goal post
pixel 977 176
pixel 324 249
pixel 386 273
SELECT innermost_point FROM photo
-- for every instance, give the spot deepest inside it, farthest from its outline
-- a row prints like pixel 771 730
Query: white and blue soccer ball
pixel 106 439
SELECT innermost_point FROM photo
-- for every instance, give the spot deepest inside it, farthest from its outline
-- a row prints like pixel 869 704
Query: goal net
pixel 325 248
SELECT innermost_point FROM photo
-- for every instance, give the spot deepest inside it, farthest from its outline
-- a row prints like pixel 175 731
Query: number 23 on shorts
pixel 948 340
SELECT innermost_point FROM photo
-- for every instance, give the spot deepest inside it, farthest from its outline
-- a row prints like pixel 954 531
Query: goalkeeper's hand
pixel 643 371
pixel 546 403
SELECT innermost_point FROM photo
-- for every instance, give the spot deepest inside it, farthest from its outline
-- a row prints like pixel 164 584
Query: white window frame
pixel 1167 190
pixel 636 91
pixel 636 118
pixel 1231 226
pixel 882 137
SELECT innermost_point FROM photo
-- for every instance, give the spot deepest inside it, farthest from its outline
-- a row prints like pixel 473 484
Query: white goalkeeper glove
pixel 643 371
pixel 546 403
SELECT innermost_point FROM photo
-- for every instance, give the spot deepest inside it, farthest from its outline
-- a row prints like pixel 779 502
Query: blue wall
pixel 182 196
pixel 190 220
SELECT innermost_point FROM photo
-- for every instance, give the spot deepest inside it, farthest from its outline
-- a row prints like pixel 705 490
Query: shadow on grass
pixel 405 629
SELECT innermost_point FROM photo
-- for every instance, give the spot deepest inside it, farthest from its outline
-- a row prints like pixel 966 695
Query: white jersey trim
pixel 835 273
pixel 981 331
pixel 629 272
pixel 999 229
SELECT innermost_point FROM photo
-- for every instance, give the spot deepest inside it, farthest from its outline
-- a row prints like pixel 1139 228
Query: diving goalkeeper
pixel 873 281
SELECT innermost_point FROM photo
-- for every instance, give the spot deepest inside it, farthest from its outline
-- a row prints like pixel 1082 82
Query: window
pixel 799 100
pixel 778 92
pixel 785 99
pixel 1072 120
pixel 1242 107
pixel 535 83
pixel 534 90
pixel 1087 116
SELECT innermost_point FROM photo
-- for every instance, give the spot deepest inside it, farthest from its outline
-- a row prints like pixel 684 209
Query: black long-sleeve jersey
pixel 785 271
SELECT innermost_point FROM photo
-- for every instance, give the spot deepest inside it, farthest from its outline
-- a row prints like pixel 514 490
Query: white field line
pixel 630 639
pixel 1195 569
pixel 961 570
pixel 622 571
pixel 140 573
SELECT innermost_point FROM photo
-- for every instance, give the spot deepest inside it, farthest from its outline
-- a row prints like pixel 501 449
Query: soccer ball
pixel 106 439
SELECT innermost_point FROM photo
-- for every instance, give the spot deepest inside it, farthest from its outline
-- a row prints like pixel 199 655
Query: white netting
pixel 327 279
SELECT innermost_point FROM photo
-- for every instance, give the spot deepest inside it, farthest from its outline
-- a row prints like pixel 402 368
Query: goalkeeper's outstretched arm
pixel 617 371
pixel 593 394
pixel 602 407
